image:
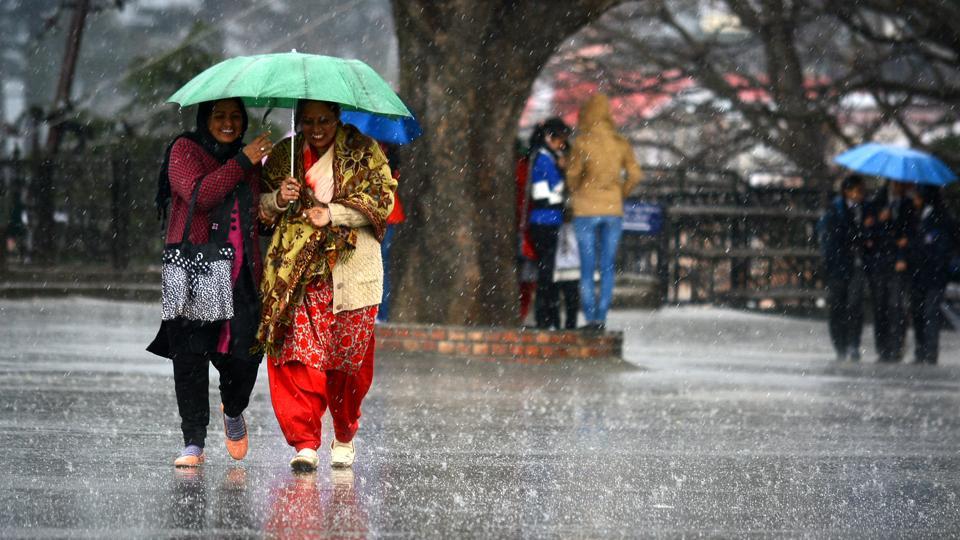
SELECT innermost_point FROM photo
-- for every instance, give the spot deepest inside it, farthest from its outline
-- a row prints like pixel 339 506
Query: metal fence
pixel 724 241
pixel 721 240
pixel 93 208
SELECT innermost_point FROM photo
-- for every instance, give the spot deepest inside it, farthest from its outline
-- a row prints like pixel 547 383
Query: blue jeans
pixel 606 229
pixel 384 312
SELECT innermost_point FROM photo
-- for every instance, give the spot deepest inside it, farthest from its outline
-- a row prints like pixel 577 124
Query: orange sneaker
pixel 236 447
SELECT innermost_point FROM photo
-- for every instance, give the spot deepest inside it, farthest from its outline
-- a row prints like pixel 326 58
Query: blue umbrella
pixel 897 163
pixel 384 129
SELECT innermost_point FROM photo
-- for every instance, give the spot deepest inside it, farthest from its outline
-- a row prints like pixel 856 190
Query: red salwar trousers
pixel 302 390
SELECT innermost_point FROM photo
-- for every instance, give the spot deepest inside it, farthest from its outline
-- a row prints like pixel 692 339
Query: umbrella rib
pixel 303 67
pixel 237 75
pixel 363 87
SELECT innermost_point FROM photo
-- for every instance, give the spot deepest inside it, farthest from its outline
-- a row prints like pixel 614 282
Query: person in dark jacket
pixel 842 242
pixel 888 225
pixel 227 203
pixel 933 245
pixel 546 214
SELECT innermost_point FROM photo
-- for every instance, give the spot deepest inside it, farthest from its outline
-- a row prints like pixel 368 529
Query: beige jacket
pixel 598 161
pixel 358 280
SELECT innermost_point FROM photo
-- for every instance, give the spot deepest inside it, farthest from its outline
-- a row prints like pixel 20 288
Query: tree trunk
pixel 467 68
pixel 806 133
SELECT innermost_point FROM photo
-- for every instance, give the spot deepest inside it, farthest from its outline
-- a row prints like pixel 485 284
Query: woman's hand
pixel 289 191
pixel 318 216
pixel 259 148
pixel 266 217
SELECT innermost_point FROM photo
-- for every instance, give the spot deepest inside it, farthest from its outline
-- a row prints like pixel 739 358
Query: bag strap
pixel 193 203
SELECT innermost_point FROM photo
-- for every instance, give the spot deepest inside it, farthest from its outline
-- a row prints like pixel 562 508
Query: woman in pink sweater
pixel 228 172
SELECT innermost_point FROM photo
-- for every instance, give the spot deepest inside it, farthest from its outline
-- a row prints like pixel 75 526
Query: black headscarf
pixel 552 127
pixel 202 136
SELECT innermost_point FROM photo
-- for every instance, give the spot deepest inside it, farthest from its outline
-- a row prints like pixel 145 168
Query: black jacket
pixel 934 245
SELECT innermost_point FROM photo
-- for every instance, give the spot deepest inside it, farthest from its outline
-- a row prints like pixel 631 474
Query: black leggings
pixel 191 379
pixel 547 301
pixel 570 290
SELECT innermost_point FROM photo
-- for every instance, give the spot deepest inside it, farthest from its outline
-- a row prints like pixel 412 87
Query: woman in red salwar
pixel 323 277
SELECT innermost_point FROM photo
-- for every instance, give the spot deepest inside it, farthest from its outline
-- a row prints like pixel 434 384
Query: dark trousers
pixel 845 299
pixel 547 301
pixel 888 290
pixel 570 291
pixel 925 307
pixel 191 380
pixel 383 312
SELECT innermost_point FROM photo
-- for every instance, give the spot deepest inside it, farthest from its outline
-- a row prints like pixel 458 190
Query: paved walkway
pixel 721 424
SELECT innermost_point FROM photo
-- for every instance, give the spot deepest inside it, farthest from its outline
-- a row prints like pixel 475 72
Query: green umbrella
pixel 279 80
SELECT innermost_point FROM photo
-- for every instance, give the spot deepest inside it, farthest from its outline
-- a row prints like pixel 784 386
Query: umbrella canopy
pixel 897 163
pixel 279 80
pixel 384 129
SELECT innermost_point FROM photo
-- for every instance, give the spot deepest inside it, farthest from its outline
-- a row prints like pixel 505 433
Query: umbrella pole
pixel 293 138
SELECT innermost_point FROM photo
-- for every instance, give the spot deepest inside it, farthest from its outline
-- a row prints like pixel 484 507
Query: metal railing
pixel 724 241
pixel 95 208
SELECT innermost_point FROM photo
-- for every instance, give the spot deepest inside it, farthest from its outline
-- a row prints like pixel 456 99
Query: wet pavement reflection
pixel 721 424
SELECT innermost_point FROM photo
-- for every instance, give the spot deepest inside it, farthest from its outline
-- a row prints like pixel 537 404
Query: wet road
pixel 734 425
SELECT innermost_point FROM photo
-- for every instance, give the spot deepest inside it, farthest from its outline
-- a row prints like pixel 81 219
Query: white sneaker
pixel 306 460
pixel 342 454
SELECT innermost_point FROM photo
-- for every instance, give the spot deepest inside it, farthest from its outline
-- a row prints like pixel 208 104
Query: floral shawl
pixel 300 253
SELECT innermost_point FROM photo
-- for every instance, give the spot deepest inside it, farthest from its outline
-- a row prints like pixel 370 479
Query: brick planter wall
pixel 518 344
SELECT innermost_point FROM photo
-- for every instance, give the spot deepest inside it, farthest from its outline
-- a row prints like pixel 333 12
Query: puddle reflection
pixel 189 501
pixel 303 508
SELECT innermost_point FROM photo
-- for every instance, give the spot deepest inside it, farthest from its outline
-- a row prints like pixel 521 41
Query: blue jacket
pixel 933 246
pixel 546 190
pixel 841 240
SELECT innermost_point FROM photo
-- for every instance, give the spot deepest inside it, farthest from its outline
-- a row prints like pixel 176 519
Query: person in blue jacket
pixel 888 225
pixel 547 144
pixel 933 246
pixel 842 243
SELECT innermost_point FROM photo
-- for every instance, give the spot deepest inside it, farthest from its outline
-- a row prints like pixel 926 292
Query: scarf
pixel 201 136
pixel 319 175
pixel 299 253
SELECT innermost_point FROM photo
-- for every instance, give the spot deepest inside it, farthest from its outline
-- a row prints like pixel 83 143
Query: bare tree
pixel 778 74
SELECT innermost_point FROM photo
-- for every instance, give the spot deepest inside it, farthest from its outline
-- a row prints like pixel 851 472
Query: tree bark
pixel 467 67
